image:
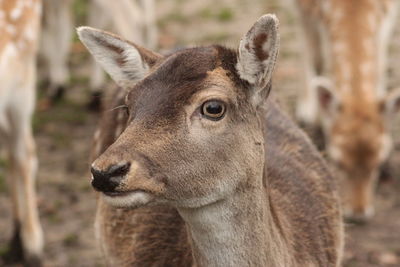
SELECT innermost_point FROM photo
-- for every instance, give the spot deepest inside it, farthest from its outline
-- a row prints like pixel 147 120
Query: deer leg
pixel 307 107
pixel 15 251
pixel 123 15
pixel 360 197
pixel 127 18
pixel 23 166
pixel 97 81
pixel 97 75
pixel 150 28
pixel 56 42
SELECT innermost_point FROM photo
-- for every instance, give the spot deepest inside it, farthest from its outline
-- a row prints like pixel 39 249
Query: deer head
pixel 357 131
pixel 193 132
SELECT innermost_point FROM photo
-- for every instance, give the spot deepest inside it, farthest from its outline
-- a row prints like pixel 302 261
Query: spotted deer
pixel 132 18
pixel 19 30
pixel 346 45
pixel 207 169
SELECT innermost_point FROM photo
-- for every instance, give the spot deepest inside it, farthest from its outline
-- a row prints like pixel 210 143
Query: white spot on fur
pixel 366 68
pixel 339 47
pixel 371 20
pixel 346 73
pixel 21 45
pixel 16 12
pixel 11 29
pixel 9 51
pixel 368 44
pixel 29 3
pixel 326 6
pixel 29 33
pixel 337 14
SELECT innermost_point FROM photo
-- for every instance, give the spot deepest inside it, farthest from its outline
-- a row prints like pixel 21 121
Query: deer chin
pixel 129 199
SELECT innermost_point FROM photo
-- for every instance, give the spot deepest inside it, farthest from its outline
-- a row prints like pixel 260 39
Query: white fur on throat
pixel 134 199
pixel 223 234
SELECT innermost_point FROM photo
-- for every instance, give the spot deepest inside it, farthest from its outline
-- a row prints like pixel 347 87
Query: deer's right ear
pixel 328 101
pixel 258 51
pixel 125 62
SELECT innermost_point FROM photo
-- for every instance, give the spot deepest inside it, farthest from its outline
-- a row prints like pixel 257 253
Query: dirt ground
pixel 64 133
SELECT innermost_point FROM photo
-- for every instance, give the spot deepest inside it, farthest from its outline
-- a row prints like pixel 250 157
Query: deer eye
pixel 213 110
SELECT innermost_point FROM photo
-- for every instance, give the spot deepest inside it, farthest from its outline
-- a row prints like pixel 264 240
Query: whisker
pixel 117 107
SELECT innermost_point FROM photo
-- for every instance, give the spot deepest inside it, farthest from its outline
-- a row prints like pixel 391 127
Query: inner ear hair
pixel 327 98
pixel 124 61
pixel 258 51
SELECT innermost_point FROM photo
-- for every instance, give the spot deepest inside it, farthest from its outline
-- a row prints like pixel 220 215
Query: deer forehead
pixel 182 79
pixel 359 120
pixel 359 144
pixel 359 126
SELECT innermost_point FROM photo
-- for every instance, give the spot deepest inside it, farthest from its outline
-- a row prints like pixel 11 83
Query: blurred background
pixel 64 128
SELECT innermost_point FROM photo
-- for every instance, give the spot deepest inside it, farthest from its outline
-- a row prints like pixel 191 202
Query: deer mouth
pixel 119 194
pixel 123 193
pixel 128 199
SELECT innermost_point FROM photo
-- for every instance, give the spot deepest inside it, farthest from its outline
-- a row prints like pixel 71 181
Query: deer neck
pixel 236 231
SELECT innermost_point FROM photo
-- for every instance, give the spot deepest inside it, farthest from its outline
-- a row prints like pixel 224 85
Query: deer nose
pixel 108 180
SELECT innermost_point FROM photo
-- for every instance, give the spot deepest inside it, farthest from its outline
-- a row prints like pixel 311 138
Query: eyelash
pixel 126 109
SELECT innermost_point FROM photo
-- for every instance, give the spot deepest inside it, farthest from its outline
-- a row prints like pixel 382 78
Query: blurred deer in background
pixel 19 34
pixel 132 18
pixel 346 45
pixel 239 184
pixel 57 30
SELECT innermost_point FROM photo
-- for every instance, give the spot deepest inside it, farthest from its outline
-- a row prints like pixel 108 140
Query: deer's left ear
pixel 258 51
pixel 125 62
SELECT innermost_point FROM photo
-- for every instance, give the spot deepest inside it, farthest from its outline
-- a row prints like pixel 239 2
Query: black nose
pixel 107 181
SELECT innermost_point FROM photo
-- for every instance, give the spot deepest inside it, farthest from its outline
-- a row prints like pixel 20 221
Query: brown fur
pixel 302 198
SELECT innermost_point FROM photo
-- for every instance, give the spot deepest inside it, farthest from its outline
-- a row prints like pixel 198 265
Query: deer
pixel 55 45
pixel 58 22
pixel 196 164
pixel 19 31
pixel 345 54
